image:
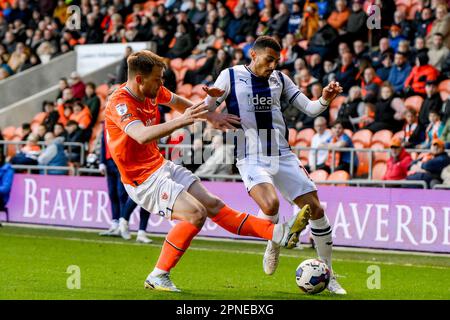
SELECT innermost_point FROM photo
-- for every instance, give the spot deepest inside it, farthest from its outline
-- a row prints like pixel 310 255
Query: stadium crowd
pixel 395 77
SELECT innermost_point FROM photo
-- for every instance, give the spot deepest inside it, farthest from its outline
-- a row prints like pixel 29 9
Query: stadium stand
pixel 32 34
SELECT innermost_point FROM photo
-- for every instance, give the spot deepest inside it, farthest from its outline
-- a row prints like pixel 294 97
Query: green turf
pixel 33 264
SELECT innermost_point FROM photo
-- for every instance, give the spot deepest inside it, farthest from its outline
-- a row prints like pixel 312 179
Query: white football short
pixel 285 172
pixel 159 192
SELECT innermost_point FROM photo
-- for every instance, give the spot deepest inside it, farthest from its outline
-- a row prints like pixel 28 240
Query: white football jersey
pixel 256 101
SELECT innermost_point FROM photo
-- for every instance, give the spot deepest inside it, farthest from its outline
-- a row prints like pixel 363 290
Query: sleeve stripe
pixel 294 96
pixel 130 123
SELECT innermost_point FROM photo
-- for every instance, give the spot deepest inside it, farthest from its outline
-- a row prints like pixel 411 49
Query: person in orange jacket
pixel 420 74
pixel 399 161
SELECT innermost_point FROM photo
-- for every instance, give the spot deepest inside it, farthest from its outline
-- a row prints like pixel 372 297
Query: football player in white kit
pixel 264 159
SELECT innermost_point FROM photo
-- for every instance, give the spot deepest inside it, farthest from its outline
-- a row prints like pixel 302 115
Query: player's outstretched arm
pixel 142 134
pixel 314 108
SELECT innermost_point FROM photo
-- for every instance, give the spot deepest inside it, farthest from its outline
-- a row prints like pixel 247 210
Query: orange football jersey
pixel 136 162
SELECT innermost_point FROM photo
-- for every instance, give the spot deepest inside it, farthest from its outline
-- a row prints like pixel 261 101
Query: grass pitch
pixel 34 264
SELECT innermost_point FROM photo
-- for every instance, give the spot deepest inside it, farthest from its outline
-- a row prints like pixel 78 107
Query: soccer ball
pixel 312 276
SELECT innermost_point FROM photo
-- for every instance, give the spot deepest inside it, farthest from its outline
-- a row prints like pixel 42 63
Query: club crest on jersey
pixel 164 196
pixel 274 81
pixel 121 109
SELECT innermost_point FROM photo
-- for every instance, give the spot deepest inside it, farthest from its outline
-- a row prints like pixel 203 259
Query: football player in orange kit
pixel 164 188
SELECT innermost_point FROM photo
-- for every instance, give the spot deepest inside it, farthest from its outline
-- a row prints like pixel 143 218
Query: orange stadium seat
pixel 319 175
pixel 348 132
pixel 333 114
pixel 39 118
pixel 292 136
pixel 9 132
pixel 414 102
pixel 198 90
pixel 337 102
pixel 339 175
pixel 306 135
pixel 200 62
pixel 378 171
pixel 444 86
pixel 400 135
pixel 379 156
pixel 364 136
pixel 302 154
pixel 190 63
pixel 179 74
pixel 12 149
pixel 382 136
pixel 18 132
pixel 185 90
pixel 176 64
pixel 363 157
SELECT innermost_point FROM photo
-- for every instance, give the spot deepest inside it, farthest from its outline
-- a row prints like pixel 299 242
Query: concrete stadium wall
pixel 36 79
pixel 24 110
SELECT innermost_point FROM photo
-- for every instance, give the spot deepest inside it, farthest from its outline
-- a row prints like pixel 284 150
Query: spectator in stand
pixel 346 72
pixel 441 24
pixel 399 72
pixel 383 48
pixel 197 76
pixel 52 116
pixel 414 133
pixel 423 24
pixel 74 134
pixel 431 102
pixel 77 85
pixel 438 51
pixel 92 101
pixel 368 116
pixel 81 115
pixel 329 69
pixel 398 163
pixel 434 129
pixel 316 160
pixel 236 26
pixel 323 41
pixel 405 25
pixel 238 58
pixel 303 79
pixel 385 112
pixel 59 131
pixel 122 69
pixel 18 57
pixel 429 167
pixel 206 41
pixel 41 131
pixel 26 130
pixel 360 52
pixel 198 14
pixel 420 74
pixel 295 18
pixel 352 109
pixel 183 45
pixel 356 27
pixel 395 36
pixel 92 33
pixel 446 134
pixel 6 181
pixel 290 52
pixel 338 17
pixel 342 159
pixel 62 84
pixel 223 61
pixel 29 154
pixel 419 47
pixel 386 66
pixel 53 155
pixel 279 23
pixel 310 22
pixel 370 85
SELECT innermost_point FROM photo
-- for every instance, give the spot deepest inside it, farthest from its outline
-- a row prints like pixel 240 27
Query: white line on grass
pixel 195 248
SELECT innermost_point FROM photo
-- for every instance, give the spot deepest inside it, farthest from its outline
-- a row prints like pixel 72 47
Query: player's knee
pixel 213 204
pixel 198 218
pixel 270 206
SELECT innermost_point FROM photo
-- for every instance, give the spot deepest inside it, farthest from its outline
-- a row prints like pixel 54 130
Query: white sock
pixel 278 234
pixel 273 218
pixel 264 216
pixel 321 234
pixel 141 233
pixel 157 272
pixel 114 224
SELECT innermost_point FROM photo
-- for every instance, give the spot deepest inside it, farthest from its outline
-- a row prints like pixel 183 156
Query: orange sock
pixel 177 241
pixel 244 224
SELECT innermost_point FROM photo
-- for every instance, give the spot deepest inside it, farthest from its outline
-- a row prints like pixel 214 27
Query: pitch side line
pixel 219 250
